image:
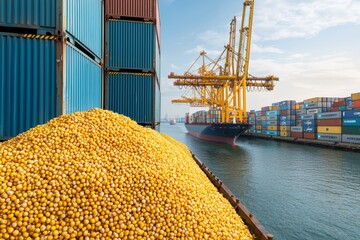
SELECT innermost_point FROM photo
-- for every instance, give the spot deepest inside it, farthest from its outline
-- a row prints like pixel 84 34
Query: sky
pixel 313 46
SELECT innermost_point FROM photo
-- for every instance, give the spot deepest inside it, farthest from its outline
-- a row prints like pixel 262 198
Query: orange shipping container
pixel 310 135
pixel 297 135
pixel 329 122
pixel 356 104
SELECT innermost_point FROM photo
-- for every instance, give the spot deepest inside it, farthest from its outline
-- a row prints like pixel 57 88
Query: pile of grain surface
pixel 99 175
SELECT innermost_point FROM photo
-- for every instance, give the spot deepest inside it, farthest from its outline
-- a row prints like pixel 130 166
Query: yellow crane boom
pixel 223 83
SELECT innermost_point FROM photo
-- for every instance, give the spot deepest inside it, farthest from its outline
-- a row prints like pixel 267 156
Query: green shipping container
pixel 351 130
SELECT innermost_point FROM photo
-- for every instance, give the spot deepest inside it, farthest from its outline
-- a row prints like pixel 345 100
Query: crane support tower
pixel 222 83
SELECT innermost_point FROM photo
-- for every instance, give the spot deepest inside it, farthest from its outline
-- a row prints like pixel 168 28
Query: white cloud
pixel 214 38
pixel 174 67
pixel 200 48
pixel 309 76
pixel 280 19
pixel 257 49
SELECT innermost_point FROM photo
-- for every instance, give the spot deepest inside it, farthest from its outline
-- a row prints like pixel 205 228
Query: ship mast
pixel 223 82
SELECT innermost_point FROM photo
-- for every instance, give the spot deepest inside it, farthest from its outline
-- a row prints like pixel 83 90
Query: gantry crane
pixel 224 82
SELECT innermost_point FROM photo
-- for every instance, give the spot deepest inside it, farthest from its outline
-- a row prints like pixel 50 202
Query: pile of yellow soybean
pixel 99 175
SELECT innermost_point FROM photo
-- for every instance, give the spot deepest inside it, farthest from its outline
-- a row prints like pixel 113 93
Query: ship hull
pixel 220 133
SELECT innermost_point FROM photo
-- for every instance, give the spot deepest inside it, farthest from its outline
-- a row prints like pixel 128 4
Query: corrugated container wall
pixel 83 85
pixel 27 84
pixel 28 13
pixel 144 9
pixel 133 96
pixel 30 85
pixel 131 45
pixel 81 19
pixel 84 22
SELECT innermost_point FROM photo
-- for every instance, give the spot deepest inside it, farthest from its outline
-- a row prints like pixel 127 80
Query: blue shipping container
pixel 84 22
pixel 285 118
pixel 273 118
pixel 82 19
pixel 351 122
pixel 352 114
pixel 83 86
pixel 308 116
pixel 131 45
pixel 29 13
pixel 133 95
pixel 308 122
pixel 287 123
pixel 28 86
pixel 273 113
pixel 273 133
pixel 310 129
pixel 287 107
pixel 301 112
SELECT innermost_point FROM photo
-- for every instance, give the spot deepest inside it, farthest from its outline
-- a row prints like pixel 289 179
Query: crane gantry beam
pixel 223 82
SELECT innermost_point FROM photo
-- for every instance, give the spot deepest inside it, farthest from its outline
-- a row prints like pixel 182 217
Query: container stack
pixel 309 125
pixel 199 117
pixel 258 122
pixel 50 61
pixel 272 119
pixel 329 126
pixel 287 117
pixel 340 105
pixel 355 99
pixel 296 132
pixel 351 126
pixel 320 118
pixel 213 116
pixel 132 56
pixel 252 121
pixel 300 110
pixel 315 105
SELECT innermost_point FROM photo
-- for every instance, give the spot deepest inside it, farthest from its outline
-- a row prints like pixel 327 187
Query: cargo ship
pixel 207 125
pixel 217 132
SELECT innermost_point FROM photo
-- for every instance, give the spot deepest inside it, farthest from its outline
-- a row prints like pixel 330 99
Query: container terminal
pixel 71 57
pixel 67 57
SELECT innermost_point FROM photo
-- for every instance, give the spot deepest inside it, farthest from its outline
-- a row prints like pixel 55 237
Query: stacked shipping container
pixel 132 56
pixel 326 119
pixel 287 117
pixel 48 66
pixel 329 126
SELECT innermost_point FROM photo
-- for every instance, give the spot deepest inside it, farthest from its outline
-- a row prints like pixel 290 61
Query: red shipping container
pixel 143 9
pixel 297 135
pixel 339 104
pixel 334 109
pixel 356 104
pixel 329 122
pixel 285 112
pixel 310 135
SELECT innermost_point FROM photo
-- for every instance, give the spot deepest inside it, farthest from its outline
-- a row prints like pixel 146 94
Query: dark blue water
pixel 295 191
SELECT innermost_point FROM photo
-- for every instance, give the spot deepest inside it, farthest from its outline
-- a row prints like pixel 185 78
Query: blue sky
pixel 313 46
